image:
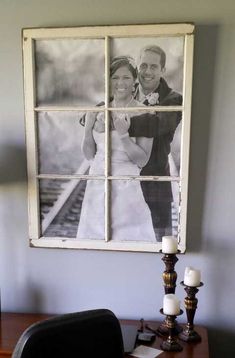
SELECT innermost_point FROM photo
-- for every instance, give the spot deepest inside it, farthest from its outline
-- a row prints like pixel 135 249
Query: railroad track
pixel 65 222
pixel 61 202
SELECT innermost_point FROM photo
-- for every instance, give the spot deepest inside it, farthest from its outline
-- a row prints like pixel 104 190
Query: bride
pixel 130 215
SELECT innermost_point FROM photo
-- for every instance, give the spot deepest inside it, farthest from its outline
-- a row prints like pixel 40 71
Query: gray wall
pixel 51 280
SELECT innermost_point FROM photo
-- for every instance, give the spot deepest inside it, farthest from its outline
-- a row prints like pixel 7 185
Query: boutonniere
pixel 153 98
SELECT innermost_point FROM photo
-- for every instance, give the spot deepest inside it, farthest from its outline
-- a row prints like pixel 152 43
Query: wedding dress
pixel 130 215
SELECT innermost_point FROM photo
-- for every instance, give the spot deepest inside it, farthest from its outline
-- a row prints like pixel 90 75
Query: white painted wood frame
pixel 32 109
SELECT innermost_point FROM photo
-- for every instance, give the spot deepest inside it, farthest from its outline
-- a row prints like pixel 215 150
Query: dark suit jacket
pixel 161 126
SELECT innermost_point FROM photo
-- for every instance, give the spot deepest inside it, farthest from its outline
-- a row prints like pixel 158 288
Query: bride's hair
pixel 121 61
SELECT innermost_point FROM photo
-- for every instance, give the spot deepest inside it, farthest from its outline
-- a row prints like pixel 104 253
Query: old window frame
pixel 31 110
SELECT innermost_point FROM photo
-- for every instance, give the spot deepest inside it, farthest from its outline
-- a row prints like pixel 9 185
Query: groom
pixel 153 90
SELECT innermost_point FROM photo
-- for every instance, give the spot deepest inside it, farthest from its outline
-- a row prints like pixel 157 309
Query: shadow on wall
pixel 206 38
pixel 12 164
pixel 224 346
pixel 32 294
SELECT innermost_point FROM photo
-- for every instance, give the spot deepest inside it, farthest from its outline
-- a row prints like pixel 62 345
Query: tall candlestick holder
pixel 169 279
pixel 171 343
pixel 170 275
pixel 189 334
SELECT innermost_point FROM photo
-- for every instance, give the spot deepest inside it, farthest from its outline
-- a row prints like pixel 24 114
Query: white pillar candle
pixel 171 305
pixel 192 277
pixel 169 244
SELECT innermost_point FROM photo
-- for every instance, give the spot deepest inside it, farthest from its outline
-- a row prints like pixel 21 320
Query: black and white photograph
pixel 109 115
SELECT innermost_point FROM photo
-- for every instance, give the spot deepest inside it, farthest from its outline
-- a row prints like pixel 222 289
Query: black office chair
pixel 87 334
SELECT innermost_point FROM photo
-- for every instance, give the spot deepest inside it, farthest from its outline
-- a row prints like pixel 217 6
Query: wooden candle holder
pixel 189 334
pixel 170 275
pixel 171 343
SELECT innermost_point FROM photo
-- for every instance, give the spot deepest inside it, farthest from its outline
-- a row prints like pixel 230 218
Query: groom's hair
pixel 155 49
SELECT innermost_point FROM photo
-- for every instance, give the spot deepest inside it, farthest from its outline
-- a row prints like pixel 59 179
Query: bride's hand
pixel 121 122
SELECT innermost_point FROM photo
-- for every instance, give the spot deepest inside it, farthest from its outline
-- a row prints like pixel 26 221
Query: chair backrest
pixel 87 334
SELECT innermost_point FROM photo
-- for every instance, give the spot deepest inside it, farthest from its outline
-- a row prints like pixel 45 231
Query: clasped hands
pixel 120 122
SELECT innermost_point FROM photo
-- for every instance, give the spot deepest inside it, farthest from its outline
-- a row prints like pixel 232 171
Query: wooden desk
pixel 190 350
pixel 13 325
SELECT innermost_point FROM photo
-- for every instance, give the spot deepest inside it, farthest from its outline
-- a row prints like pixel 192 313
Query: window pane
pixel 60 137
pixel 144 211
pixel 69 72
pixel 160 68
pixel 72 208
pixel 60 206
pixel 165 130
pixel 130 215
pixel 152 146
pixel 162 198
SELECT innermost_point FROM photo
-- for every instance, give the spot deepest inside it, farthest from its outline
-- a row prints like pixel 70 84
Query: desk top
pixel 13 325
pixel 190 350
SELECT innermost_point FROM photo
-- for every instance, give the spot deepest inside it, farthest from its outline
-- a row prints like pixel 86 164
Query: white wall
pixel 50 280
